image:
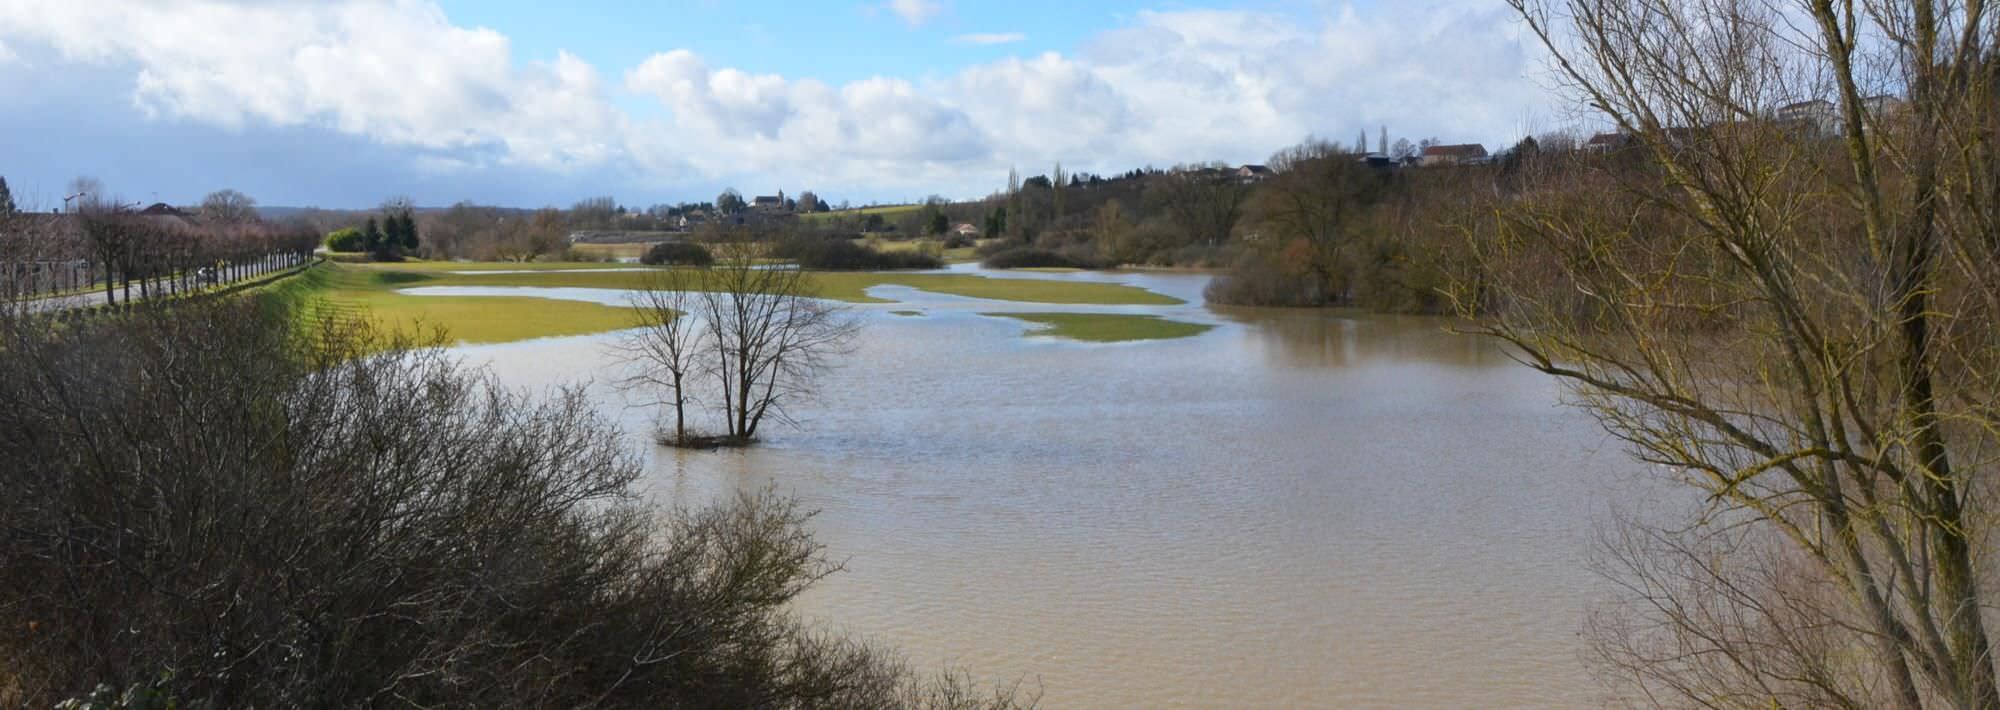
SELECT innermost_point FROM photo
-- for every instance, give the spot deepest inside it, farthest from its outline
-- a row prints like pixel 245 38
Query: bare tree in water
pixel 668 348
pixel 759 336
pixel 1784 295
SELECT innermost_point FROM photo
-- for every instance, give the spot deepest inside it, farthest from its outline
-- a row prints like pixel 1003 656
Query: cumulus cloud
pixel 990 38
pixel 915 12
pixel 394 70
pixel 1163 88
pixel 734 122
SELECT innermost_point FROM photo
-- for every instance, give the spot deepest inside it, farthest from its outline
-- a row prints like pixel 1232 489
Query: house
pixel 767 203
pixel 1381 161
pixel 966 230
pixel 1817 115
pixel 1465 154
pixel 1254 173
pixel 1882 105
pixel 1608 142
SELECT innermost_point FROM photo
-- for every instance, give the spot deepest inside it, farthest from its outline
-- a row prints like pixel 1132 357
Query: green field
pixel 1107 327
pixel 349 291
pixel 355 290
pixel 887 212
pixel 836 285
pixel 612 251
pixel 954 256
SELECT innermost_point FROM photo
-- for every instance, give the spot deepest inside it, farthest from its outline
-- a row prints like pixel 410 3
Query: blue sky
pixel 530 103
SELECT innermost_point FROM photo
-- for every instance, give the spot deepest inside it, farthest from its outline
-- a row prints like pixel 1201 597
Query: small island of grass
pixel 1107 327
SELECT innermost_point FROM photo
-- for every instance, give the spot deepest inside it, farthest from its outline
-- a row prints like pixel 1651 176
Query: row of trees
pixel 129 255
pixel 389 240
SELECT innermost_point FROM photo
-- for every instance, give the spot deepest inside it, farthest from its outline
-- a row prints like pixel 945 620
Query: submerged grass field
pixel 345 291
pixel 371 291
pixel 1107 327
pixel 848 286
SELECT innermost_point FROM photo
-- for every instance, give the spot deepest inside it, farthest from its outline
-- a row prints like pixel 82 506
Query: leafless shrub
pixel 209 504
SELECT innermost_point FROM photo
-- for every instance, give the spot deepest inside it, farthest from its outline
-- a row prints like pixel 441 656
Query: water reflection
pixel 1306 338
pixel 1294 509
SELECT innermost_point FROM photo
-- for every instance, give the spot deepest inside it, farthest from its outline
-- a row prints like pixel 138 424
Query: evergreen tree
pixel 6 198
pixel 372 237
pixel 410 241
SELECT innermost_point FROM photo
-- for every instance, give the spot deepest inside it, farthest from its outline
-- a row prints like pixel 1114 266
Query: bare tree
pixel 1799 325
pixel 668 348
pixel 1204 200
pixel 228 207
pixel 770 338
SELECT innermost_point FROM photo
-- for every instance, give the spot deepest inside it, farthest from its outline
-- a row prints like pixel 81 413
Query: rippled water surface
pixel 1295 509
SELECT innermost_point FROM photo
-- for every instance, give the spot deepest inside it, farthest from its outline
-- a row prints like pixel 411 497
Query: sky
pixel 529 103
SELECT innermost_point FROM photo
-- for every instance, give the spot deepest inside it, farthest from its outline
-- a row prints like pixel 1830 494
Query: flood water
pixel 1295 509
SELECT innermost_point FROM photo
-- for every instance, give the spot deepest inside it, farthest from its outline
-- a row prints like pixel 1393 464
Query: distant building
pixel 1608 142
pixel 1254 173
pixel 965 230
pixel 1465 154
pixel 1817 115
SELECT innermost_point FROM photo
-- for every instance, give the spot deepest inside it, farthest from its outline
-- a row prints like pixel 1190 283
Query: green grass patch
pixel 886 211
pixel 348 291
pixel 839 286
pixel 612 251
pixel 1107 327
pixel 370 291
pixel 906 313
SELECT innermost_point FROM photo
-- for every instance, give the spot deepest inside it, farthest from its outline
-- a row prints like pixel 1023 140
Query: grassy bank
pixel 1107 327
pixel 887 211
pixel 348 291
pixel 370 290
pixel 840 286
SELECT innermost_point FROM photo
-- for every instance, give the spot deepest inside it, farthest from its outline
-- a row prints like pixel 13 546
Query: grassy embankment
pixel 1106 327
pixel 349 290
pixel 887 211
pixel 612 251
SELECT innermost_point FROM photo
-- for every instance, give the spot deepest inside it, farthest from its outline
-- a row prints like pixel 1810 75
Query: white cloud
pixel 393 70
pixel 1167 87
pixel 6 55
pixel 915 12
pixel 732 122
pixel 990 38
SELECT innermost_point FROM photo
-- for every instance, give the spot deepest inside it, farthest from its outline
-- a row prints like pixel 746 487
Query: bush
pixel 346 241
pixel 271 516
pixel 677 254
pixel 957 241
pixel 1260 279
pixel 843 255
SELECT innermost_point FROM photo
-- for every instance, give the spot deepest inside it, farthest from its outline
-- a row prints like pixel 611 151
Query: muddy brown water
pixel 1295 509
